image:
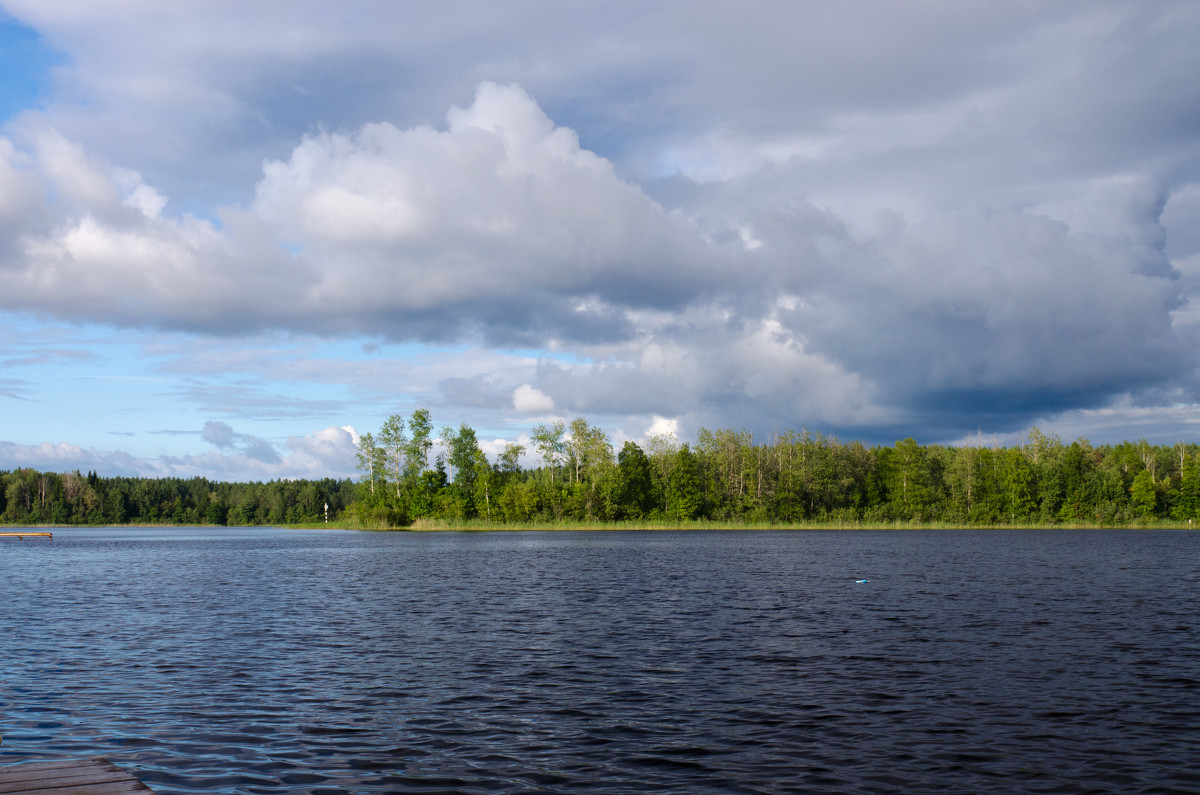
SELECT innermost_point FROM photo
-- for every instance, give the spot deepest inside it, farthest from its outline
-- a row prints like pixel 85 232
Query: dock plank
pixel 69 777
pixel 115 788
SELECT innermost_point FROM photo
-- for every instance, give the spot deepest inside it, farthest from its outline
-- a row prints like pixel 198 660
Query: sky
pixel 236 236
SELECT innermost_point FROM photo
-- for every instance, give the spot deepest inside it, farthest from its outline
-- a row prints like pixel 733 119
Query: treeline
pixel 797 476
pixel 30 497
pixel 412 472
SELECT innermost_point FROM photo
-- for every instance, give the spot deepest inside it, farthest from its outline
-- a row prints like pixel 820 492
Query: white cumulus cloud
pixel 530 400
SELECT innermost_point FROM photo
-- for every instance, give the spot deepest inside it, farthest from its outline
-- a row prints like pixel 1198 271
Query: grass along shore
pixel 426 525
pixel 483 525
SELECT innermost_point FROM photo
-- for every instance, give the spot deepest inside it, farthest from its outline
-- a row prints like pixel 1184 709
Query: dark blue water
pixel 261 660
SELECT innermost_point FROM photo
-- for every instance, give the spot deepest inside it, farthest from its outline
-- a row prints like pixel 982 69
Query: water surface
pixel 265 660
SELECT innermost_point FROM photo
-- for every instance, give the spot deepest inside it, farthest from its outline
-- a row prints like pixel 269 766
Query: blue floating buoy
pixel 862 580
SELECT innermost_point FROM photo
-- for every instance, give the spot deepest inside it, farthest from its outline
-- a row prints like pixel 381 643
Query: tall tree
pixel 587 448
pixel 548 441
pixel 1187 499
pixel 1143 493
pixel 394 444
pixel 1018 485
pixel 910 484
pixel 636 483
pixel 369 459
pixel 510 459
pixel 462 449
pixel 417 449
pixel 683 492
pixel 485 479
pixel 661 449
pixel 417 486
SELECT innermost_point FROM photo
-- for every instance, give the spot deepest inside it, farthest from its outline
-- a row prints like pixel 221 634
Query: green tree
pixel 462 448
pixel 116 507
pixel 420 484
pixel 394 447
pixel 661 449
pixel 548 441
pixel 1018 485
pixel 485 481
pixel 636 482
pixel 683 490
pixel 910 480
pixel 587 449
pixel 1187 500
pixel 369 460
pixel 416 450
pixel 510 460
pixel 1144 495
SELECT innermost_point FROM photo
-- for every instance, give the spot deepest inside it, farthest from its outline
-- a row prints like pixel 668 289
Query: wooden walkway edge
pixel 68 777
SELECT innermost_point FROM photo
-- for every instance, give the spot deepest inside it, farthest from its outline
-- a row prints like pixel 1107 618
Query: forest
pixel 411 473
pixel 29 497
pixel 793 477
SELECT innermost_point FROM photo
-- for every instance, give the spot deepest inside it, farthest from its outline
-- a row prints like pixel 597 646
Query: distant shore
pixel 483 526
pixel 426 526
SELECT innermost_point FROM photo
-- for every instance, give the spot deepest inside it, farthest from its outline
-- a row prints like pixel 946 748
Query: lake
pixel 230 660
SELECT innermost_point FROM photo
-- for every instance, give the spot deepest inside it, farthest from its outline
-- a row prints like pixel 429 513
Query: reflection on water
pixel 261 660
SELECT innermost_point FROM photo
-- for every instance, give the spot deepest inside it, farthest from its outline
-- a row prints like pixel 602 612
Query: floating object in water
pixel 862 580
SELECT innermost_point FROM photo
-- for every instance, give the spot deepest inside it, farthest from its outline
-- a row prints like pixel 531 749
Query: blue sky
pixel 235 236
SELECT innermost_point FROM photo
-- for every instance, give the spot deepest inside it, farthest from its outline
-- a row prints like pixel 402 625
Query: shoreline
pixel 476 526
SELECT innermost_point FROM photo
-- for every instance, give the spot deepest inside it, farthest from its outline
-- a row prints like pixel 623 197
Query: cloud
pixel 222 436
pixel 325 453
pixel 253 401
pixel 331 449
pixel 328 452
pixel 997 312
pixel 14 388
pixel 64 457
pixel 933 219
pixel 530 400
pixel 39 356
pixel 262 451
pixel 218 434
pixel 663 426
pixel 500 227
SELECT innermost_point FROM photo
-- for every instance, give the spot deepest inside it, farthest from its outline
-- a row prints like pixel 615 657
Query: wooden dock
pixel 68 777
pixel 21 536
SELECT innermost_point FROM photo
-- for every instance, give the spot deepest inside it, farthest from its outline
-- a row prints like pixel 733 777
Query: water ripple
pixel 267 661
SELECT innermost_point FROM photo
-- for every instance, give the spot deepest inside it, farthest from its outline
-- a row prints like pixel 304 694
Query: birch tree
pixel 548 441
pixel 394 444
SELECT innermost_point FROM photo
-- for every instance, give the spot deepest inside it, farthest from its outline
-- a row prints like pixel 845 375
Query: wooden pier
pixel 21 536
pixel 69 777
